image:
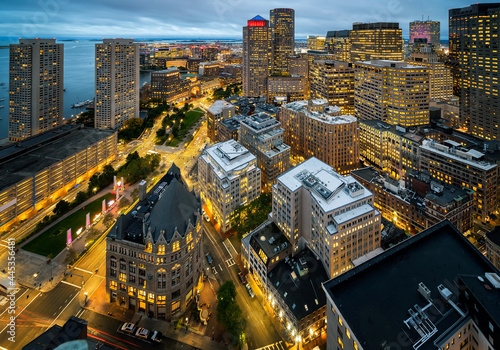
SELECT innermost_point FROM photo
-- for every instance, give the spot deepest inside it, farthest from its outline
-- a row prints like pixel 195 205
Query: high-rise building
pixel 298 66
pixel 433 291
pixel 154 253
pixel 35 87
pixel 430 30
pixel 391 91
pixel 257 56
pixel 315 42
pixel 332 213
pixel 262 135
pixel 338 43
pixel 218 111
pixel 314 129
pixel 451 163
pixel 116 82
pixel 334 82
pixel 284 89
pixel 168 86
pixel 209 53
pixel 376 41
pixel 474 42
pixel 283 37
pixel 440 78
pixel 229 177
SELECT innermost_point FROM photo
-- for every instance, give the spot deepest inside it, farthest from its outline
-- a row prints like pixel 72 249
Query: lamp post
pixel 35 275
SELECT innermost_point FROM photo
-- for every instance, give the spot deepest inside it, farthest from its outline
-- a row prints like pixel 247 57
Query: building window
pixel 131 291
pixel 113 285
pixel 175 246
pixel 176 274
pixel 176 294
pixel 131 267
pixel 123 277
pixel 176 305
pixel 161 299
pixel 162 279
pixel 151 297
pixel 123 264
pixel 161 249
pixel 112 273
pixel 142 295
pixel 112 261
pixel 122 287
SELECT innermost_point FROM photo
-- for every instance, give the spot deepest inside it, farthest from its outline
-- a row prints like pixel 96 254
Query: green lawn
pixel 53 240
pixel 190 120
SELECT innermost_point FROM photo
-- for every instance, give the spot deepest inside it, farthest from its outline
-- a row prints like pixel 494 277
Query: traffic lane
pixel 108 329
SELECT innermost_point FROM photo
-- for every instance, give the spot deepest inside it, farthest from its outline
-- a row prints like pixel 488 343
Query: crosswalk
pixel 276 346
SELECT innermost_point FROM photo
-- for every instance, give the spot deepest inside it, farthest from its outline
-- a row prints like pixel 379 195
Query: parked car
pixel 250 291
pixel 128 328
pixel 242 277
pixel 142 333
pixel 209 258
pixel 156 336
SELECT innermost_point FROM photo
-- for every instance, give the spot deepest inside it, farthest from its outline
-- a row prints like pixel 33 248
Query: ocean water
pixel 79 65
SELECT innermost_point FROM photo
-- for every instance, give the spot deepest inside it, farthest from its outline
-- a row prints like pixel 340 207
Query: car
pixel 209 258
pixel 250 291
pixel 128 328
pixel 156 336
pixel 142 333
pixel 206 217
pixel 242 277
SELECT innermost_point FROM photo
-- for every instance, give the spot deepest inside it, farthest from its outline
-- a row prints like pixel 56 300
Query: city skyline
pixel 216 19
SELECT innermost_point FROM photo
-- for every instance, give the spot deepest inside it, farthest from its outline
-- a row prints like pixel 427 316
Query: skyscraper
pixel 35 87
pixel 430 30
pixel 116 82
pixel 376 41
pixel 392 91
pixel 257 56
pixel 283 25
pixel 474 41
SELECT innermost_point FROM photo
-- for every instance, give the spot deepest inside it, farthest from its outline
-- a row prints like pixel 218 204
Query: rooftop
pixel 436 256
pixel 469 157
pixel 229 156
pixel 330 189
pixel 268 238
pixel 233 123
pixel 301 292
pixel 407 133
pixel 218 106
pixel 168 207
pixel 494 235
pixel 390 64
pixel 26 158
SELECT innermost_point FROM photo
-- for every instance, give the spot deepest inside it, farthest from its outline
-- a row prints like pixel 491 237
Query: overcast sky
pixel 204 18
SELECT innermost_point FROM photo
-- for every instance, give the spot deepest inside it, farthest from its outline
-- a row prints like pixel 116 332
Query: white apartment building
pixel 333 214
pixel 116 82
pixel 229 177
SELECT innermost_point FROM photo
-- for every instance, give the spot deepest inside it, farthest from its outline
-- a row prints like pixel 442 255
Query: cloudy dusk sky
pixel 204 18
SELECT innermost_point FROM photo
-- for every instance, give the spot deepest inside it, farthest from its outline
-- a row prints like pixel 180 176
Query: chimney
pixel 143 188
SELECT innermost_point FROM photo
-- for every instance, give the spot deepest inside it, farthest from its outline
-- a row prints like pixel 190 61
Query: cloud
pixel 199 18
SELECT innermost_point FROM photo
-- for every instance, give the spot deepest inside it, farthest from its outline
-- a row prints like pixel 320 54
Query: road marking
pixel 230 262
pixel 214 270
pixel 231 244
pixel 60 307
pixel 220 267
pixel 32 300
pixel 71 284
pixel 79 313
pixel 5 246
pixel 65 301
pixel 225 246
pixel 76 294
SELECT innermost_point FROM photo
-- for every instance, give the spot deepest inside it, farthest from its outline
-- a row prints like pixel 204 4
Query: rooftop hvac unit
pixel 422 289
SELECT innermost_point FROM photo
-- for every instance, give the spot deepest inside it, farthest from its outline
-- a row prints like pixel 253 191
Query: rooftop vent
pixel 422 289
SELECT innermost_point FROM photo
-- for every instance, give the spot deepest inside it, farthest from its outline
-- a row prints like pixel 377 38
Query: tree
pixel 80 197
pixel 94 183
pixel 62 207
pixel 247 217
pixel 160 132
pixel 229 313
pixel 108 219
pixel 133 123
pixel 124 203
pixel 70 256
pixel 92 234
